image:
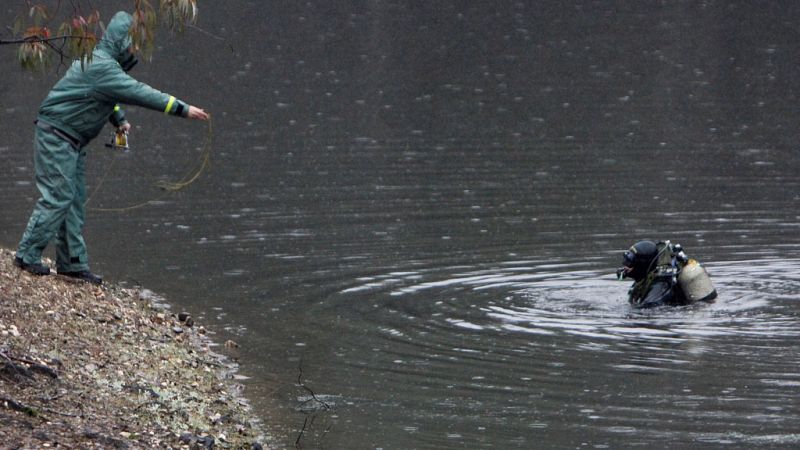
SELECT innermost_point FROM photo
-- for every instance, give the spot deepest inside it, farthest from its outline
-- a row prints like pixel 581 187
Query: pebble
pixel 199 441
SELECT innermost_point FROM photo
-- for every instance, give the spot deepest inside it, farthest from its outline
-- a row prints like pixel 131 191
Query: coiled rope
pixel 167 187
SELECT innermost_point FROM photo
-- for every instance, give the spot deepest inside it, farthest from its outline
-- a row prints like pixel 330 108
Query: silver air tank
pixel 695 282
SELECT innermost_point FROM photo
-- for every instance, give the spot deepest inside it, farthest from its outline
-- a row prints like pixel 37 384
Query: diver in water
pixel 664 275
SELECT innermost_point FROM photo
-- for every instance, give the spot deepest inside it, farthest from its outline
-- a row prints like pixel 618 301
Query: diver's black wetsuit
pixel 660 290
pixel 654 269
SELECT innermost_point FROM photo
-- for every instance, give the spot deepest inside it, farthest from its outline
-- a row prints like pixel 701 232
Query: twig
pixel 212 35
pixel 297 443
pixel 313 395
pixel 309 419
pixel 53 398
pixel 16 406
pixel 34 366
pixel 49 43
pixel 19 371
pixel 60 413
pixel 207 33
pixel 61 55
pixel 39 39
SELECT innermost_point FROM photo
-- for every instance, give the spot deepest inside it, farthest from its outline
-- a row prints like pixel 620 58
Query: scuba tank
pixel 695 282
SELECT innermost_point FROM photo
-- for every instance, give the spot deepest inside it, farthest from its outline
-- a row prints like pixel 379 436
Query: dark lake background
pixel 415 209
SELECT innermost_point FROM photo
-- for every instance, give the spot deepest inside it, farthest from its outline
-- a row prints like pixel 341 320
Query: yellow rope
pixel 194 174
pixel 102 180
pixel 167 187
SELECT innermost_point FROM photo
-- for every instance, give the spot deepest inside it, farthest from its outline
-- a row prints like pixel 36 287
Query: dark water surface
pixel 414 209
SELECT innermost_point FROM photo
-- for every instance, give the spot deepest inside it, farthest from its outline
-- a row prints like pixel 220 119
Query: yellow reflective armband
pixel 169 105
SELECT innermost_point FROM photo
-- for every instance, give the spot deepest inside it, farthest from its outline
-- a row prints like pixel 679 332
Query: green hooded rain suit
pixel 73 114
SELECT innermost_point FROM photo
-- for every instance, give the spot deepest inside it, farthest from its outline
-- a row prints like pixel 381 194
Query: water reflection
pixel 541 346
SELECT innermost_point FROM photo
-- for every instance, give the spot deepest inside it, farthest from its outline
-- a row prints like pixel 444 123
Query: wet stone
pixel 197 442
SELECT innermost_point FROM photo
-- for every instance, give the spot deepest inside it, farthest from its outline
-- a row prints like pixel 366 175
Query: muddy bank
pixel 106 367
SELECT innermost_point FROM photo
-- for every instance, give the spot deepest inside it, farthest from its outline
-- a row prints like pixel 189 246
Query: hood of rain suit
pixel 116 40
pixel 88 95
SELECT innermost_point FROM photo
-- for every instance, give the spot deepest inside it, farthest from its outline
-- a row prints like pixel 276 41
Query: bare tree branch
pixel 31 39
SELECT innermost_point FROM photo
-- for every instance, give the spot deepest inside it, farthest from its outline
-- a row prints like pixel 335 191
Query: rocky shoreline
pixel 83 366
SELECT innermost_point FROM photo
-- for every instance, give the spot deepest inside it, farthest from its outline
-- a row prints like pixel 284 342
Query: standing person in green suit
pixel 73 114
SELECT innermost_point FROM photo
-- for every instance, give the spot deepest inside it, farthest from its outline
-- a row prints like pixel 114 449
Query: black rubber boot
pixel 36 269
pixel 84 275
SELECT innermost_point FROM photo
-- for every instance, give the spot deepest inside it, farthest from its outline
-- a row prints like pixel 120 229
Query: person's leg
pixel 71 253
pixel 55 163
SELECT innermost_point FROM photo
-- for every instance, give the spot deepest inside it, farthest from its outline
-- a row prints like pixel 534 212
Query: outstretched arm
pixel 114 84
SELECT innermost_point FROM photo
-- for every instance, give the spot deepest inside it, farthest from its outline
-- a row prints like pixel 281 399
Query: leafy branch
pixel 79 34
